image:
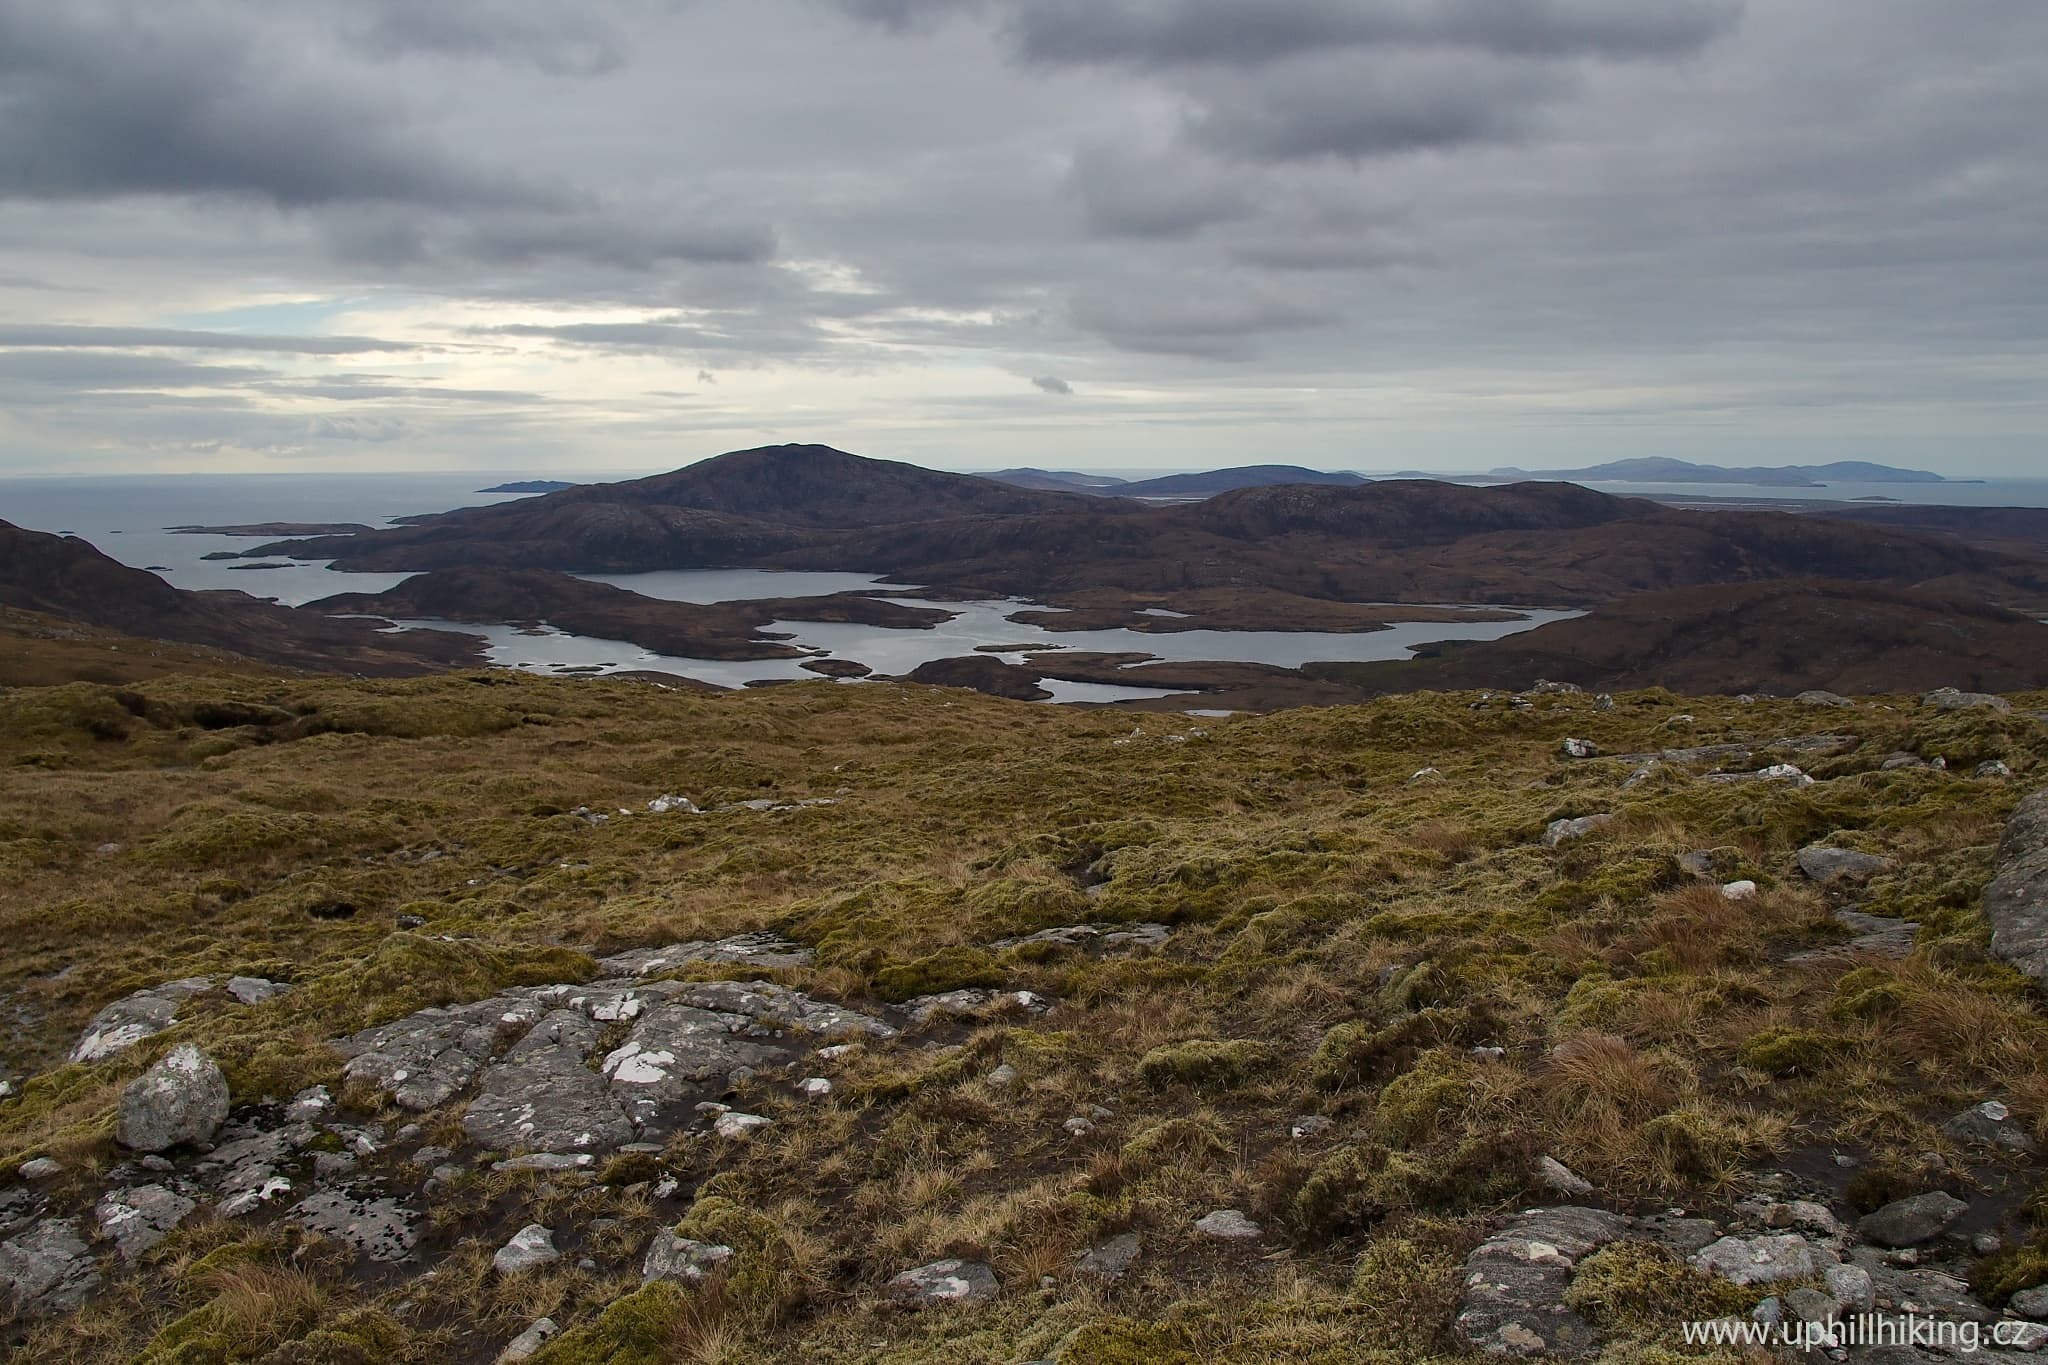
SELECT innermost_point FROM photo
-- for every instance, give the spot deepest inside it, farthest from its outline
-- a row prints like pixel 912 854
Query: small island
pixel 528 486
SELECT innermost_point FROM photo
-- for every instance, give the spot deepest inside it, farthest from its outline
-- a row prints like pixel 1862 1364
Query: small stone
pixel 1489 1054
pixel 527 1344
pixel 1698 863
pixel 310 1104
pixel 1909 1222
pixel 1580 748
pixel 814 1088
pixel 1111 1260
pixel 1987 1244
pixel 431 1157
pixel 333 1165
pixel 738 1125
pixel 1425 775
pixel 1563 831
pixel 1228 1225
pixel 1990 1124
pixel 1819 698
pixel 547 1161
pixel 1003 1076
pixel 2031 1303
pixel 1770 1312
pixel 943 1282
pixel 182 1099
pixel 2025 1336
pixel 1851 1289
pixel 1810 1305
pixel 531 1247
pixel 1309 1126
pixel 40 1168
pixel 1744 890
pixel 1554 1175
pixel 1078 1127
pixel 254 990
pixel 1604 701
pixel 1991 767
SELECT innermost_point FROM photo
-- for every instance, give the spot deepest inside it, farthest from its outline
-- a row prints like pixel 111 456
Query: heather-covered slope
pixel 1339 973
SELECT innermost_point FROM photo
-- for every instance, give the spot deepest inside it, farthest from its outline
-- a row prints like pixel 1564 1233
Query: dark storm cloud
pixel 96 103
pixel 1164 33
pixel 172 338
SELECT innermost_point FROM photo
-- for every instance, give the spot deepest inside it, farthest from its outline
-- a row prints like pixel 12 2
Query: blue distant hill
pixel 529 486
pixel 1656 469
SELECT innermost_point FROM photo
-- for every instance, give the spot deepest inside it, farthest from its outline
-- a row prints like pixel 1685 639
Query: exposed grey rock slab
pixel 132 1018
pixel 47 1269
pixel 753 950
pixel 544 1097
pixel 426 1059
pixel 136 1220
pixel 532 1247
pixel 1564 831
pixel 1830 866
pixel 381 1229
pixel 1952 699
pixel 1111 1260
pixel 1909 1222
pixel 1991 1124
pixel 1512 1302
pixel 2016 901
pixel 682 1259
pixel 1763 1260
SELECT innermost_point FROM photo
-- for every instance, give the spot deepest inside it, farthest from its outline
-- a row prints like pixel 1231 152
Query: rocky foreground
pixel 1536 1025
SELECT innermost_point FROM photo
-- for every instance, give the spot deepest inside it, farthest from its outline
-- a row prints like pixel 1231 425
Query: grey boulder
pixel 47 1269
pixel 532 1247
pixel 1564 831
pixel 1909 1222
pixel 1829 866
pixel 182 1099
pixel 1952 699
pixel 132 1018
pixel 2016 901
pixel 943 1282
pixel 682 1259
pixel 1762 1260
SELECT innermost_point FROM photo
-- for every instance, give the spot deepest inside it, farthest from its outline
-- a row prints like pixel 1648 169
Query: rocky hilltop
pixel 1399 540
pixel 484 1017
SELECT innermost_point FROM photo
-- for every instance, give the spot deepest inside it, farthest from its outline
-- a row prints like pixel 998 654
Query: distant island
pixel 1656 469
pixel 1201 484
pixel 528 486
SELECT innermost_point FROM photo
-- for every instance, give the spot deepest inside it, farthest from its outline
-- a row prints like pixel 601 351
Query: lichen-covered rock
pixel 1111 1260
pixel 1514 1283
pixel 136 1220
pixel 254 990
pixel 426 1059
pixel 47 1269
pixel 942 1283
pixel 381 1229
pixel 543 1097
pixel 2016 901
pixel 132 1018
pixel 752 950
pixel 527 1344
pixel 673 1257
pixel 182 1099
pixel 1762 1260
pixel 1228 1225
pixel 1909 1222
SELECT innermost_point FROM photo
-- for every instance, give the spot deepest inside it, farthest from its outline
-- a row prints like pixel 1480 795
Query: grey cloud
pixel 1163 33
pixel 88 371
pixel 1131 194
pixel 100 102
pixel 373 429
pixel 565 41
pixel 660 336
pixel 171 338
pixel 1053 384
pixel 1212 325
pixel 1333 106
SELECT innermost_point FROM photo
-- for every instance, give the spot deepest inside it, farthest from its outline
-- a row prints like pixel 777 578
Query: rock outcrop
pixel 2016 901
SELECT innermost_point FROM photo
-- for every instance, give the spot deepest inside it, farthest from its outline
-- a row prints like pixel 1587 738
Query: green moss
pixel 949 969
pixel 1999 1276
pixel 1784 1051
pixel 1413 1106
pixel 1359 1053
pixel 363 1336
pixel 1867 993
pixel 1126 1341
pixel 637 1329
pixel 763 1282
pixel 410 971
pixel 1204 1064
pixel 1339 1197
pixel 1639 1289
pixel 1183 1142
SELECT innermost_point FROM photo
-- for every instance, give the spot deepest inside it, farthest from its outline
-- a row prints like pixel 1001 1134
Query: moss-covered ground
pixel 1344 939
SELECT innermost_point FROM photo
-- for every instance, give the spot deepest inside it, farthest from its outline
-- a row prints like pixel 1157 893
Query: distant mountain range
pixel 1656 469
pixel 528 486
pixel 1202 484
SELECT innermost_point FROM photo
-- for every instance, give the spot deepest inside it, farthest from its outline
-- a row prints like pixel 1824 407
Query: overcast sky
pixel 1374 234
